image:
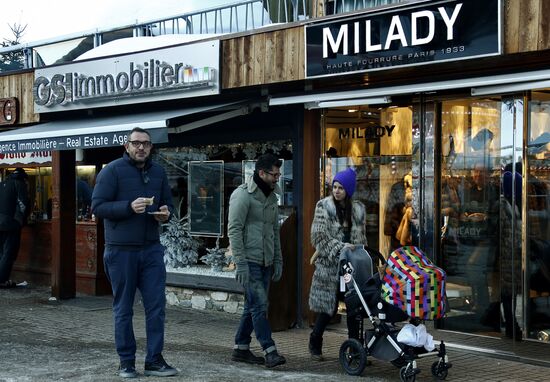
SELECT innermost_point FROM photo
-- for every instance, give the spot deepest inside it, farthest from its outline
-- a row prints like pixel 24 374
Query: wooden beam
pixel 63 224
pixel 529 21
pixel 310 196
pixel 511 26
pixel 544 26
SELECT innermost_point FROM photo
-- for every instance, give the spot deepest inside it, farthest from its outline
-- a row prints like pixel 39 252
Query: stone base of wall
pixel 205 299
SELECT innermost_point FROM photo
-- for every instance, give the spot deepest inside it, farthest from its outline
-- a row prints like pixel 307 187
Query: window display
pixel 206 198
pixel 202 179
pixel 377 143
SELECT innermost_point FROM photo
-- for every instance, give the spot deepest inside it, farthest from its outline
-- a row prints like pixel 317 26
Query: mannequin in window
pixel 395 209
pixel 403 233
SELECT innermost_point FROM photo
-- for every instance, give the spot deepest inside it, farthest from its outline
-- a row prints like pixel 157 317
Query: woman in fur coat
pixel 338 223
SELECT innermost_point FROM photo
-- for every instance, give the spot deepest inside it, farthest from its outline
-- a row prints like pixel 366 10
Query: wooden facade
pixel 263 58
pixel 277 56
pixel 34 262
pixel 526 25
pixel 20 86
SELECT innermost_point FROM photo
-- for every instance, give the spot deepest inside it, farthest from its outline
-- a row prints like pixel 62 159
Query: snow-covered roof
pixel 137 44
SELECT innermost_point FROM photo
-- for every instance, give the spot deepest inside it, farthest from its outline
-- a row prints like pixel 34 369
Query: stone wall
pixel 205 299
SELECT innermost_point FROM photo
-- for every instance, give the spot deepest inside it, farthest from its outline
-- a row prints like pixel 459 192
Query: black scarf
pixel 262 185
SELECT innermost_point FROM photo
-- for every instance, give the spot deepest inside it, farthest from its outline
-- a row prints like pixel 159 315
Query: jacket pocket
pixel 253 239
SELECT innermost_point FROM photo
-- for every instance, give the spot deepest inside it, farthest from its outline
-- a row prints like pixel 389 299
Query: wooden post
pixel 310 196
pixel 63 224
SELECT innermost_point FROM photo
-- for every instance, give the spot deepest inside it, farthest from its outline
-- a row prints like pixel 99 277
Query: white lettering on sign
pixel 96 141
pixel 73 142
pixel 119 139
pixel 25 158
pixel 165 73
pixel 395 32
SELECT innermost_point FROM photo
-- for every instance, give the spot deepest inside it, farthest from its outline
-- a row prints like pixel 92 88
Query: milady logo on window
pixel 145 79
pixel 365 132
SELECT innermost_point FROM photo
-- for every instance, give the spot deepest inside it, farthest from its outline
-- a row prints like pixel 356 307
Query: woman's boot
pixel 316 347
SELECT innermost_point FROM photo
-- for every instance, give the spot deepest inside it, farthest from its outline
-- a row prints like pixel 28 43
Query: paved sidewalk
pixel 72 340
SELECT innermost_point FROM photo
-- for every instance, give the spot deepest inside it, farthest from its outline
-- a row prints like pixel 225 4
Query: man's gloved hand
pixel 242 273
pixel 277 271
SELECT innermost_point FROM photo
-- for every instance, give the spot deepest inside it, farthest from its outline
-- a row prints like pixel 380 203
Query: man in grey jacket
pixel 253 231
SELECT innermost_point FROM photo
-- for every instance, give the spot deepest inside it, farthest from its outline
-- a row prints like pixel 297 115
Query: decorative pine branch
pixel 180 248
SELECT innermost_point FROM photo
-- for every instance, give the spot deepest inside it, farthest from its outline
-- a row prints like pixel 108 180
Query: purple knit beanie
pixel 347 179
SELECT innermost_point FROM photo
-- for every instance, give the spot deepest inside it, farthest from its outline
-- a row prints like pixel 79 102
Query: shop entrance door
pixel 473 135
pixel 536 303
pixel 493 202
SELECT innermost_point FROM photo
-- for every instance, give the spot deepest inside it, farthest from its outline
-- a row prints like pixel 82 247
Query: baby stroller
pixel 364 300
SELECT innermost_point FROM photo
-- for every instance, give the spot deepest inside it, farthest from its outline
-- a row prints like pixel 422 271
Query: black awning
pixel 92 133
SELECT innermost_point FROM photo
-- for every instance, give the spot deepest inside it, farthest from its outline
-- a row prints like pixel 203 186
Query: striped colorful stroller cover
pixel 414 284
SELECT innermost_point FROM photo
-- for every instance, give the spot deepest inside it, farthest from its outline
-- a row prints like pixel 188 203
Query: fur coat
pixel 327 237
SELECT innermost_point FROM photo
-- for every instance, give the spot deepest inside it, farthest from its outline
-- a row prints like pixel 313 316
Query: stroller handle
pixel 347 268
pixel 376 254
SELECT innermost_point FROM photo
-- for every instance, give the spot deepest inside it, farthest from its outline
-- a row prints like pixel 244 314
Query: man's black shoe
pixel 273 359
pixel 127 369
pixel 246 356
pixel 159 368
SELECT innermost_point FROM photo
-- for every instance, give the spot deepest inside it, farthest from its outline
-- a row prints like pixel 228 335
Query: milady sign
pixel 405 35
pixel 169 73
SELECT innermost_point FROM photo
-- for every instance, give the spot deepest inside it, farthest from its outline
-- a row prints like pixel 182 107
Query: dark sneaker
pixel 246 356
pixel 127 369
pixel 159 368
pixel 273 359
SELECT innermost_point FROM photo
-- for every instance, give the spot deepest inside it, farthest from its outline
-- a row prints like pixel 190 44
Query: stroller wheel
pixel 353 357
pixel 439 370
pixel 408 373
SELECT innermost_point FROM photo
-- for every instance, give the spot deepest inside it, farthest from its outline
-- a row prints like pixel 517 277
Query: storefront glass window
pixel 537 306
pixel 377 143
pixel 206 194
pixel 471 140
pixel 39 185
pixel 202 180
pixel 85 176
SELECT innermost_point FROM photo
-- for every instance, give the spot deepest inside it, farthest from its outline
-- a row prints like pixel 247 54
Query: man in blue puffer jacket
pixel 132 196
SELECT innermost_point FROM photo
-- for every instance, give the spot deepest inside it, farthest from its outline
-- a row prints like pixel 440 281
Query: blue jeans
pixel 254 316
pixel 127 271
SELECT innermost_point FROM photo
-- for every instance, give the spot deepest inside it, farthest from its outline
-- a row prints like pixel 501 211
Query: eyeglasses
pixel 136 144
pixel 276 175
